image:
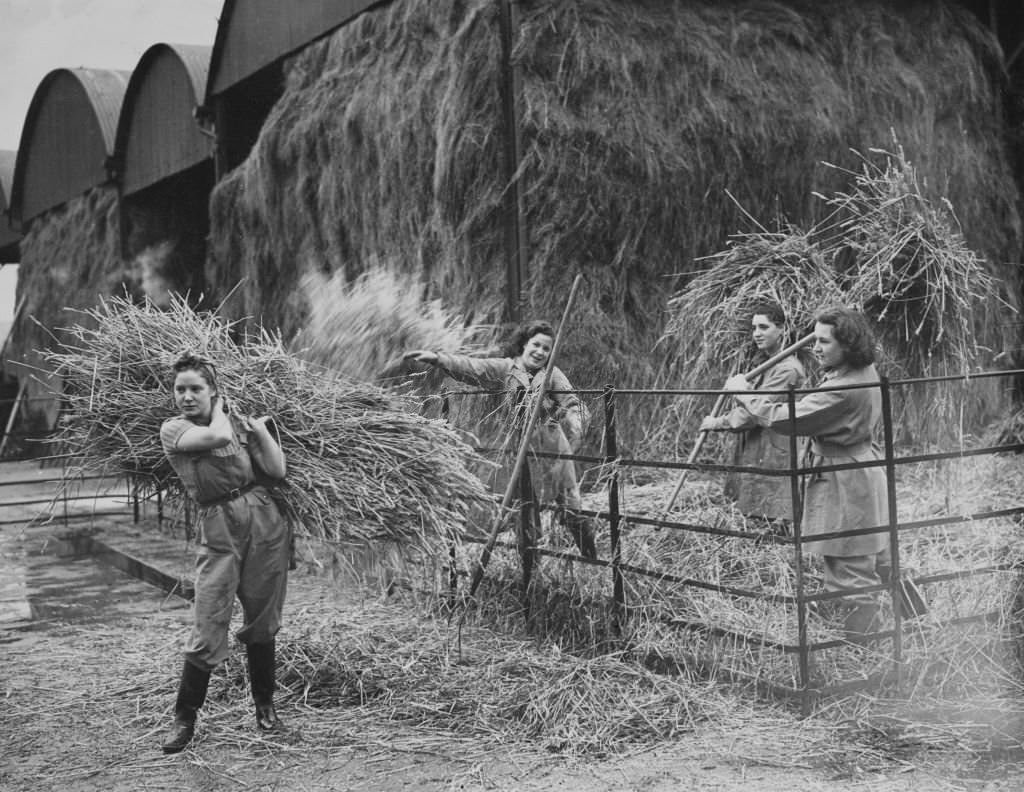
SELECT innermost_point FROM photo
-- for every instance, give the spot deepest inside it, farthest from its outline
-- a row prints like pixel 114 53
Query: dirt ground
pixel 86 701
pixel 89 659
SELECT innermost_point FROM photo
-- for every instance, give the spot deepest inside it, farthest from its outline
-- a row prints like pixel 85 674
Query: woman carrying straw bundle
pixel 244 544
pixel 559 429
pixel 841 424
pixel 763 497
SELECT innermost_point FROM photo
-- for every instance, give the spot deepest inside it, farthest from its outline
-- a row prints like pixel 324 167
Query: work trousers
pixel 245 551
pixel 853 572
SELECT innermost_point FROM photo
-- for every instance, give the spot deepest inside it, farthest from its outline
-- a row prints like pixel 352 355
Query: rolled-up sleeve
pixel 171 431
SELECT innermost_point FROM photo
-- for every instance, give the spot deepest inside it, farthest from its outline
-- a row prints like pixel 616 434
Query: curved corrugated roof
pixel 256 33
pixel 158 135
pixel 67 139
pixel 105 88
pixel 9 238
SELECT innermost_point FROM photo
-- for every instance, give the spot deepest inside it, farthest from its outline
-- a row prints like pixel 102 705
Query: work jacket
pixel 761 447
pixel 841 425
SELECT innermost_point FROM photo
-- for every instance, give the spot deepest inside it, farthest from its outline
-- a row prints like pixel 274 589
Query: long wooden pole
pixel 524 446
pixel 701 436
pixel 13 415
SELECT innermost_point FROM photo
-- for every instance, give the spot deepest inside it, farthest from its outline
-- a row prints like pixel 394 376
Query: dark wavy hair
pixel 203 367
pixel 770 309
pixel 517 343
pixel 853 332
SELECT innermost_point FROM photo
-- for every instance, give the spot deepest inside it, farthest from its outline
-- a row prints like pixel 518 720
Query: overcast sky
pixel 38 36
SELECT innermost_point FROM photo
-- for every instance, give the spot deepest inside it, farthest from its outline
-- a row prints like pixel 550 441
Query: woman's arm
pixel 205 438
pixel 483 372
pixel 814 414
pixel 263 448
pixel 489 373
pixel 739 418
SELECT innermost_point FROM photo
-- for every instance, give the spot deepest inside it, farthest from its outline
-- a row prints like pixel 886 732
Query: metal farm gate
pixel 622 523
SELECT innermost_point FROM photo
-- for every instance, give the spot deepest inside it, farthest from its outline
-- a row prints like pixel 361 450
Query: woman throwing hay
pixel 244 546
pixel 841 424
pixel 559 429
pixel 765 497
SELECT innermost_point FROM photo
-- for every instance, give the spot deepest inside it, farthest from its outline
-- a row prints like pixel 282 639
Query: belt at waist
pixel 824 448
pixel 229 496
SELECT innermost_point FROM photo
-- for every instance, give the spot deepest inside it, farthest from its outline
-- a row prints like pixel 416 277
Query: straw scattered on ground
pixel 967 648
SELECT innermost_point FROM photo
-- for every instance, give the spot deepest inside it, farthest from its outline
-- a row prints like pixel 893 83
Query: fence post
pixel 896 575
pixel 611 455
pixel 514 220
pixel 803 654
pixel 453 569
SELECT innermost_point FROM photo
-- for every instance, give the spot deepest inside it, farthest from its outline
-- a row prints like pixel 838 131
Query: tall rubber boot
pixel 582 533
pixel 191 696
pixel 262 666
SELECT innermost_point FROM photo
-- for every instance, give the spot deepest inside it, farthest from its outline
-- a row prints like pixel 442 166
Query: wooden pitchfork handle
pixel 720 402
pixel 499 520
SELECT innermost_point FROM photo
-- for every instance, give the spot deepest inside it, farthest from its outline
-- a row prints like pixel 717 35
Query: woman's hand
pixel 709 424
pixel 255 424
pixel 421 356
pixel 737 382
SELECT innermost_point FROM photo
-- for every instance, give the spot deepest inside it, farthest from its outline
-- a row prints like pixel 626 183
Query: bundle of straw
pixel 785 266
pixel 911 268
pixel 362 464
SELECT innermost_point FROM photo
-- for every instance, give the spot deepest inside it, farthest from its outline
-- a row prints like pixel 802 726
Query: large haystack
pixel 638 117
pixel 69 257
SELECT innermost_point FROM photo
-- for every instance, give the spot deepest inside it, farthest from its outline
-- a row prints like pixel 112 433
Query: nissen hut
pixel 64 202
pixel 164 163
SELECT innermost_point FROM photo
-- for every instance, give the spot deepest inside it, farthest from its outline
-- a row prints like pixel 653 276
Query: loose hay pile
pixel 638 120
pixel 492 686
pixel 785 266
pixel 68 256
pixel 362 464
pixel 967 648
pixel 903 257
pixel 362 328
pixel 886 248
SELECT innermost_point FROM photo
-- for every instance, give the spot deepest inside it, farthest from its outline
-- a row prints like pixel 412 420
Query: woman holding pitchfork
pixel 561 425
pixel 764 497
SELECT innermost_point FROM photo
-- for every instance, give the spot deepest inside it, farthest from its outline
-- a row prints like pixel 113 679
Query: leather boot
pixel 582 533
pixel 859 622
pixel 191 695
pixel 262 665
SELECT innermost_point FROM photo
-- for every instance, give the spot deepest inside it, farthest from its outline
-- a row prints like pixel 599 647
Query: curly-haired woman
pixel 559 429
